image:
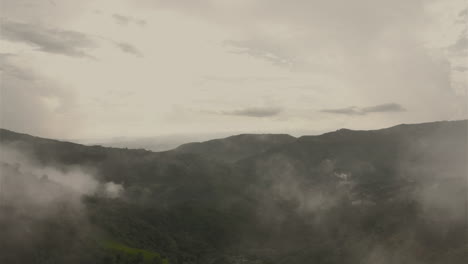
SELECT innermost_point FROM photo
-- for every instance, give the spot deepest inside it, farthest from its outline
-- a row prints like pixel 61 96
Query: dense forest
pixel 395 195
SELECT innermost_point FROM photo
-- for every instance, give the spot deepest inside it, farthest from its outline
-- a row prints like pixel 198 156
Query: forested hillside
pixel 396 195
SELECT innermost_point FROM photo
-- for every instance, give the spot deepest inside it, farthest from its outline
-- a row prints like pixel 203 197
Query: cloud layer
pixel 311 57
pixel 64 42
pixel 126 20
pixel 129 48
pixel 33 103
pixel 352 110
pixel 255 112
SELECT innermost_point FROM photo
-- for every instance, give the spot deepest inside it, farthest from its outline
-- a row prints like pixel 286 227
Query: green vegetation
pixel 388 196
pixel 125 254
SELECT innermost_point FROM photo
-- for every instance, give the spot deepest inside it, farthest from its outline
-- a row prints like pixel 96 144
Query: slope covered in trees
pixel 396 195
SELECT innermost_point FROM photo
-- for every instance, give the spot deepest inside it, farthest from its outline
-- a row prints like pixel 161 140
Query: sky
pixel 95 69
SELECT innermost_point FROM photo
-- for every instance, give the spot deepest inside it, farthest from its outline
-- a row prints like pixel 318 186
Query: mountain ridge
pixel 7 132
pixel 340 197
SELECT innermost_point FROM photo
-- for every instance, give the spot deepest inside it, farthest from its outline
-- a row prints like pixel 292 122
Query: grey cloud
pixel 391 107
pixel 342 41
pixel 56 12
pixel 462 17
pixel 140 22
pixel 345 111
pixel 33 104
pixel 240 79
pixel 460 47
pixel 460 68
pixel 11 70
pixel 382 108
pixel 307 24
pixel 57 41
pixel 258 50
pixel 121 19
pixel 129 48
pixel 255 112
pixel 125 20
pixel 463 13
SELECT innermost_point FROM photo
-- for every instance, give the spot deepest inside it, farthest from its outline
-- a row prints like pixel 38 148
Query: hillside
pixel 395 195
pixel 236 147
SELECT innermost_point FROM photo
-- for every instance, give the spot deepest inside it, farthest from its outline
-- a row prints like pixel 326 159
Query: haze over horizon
pixel 135 69
pixel 172 141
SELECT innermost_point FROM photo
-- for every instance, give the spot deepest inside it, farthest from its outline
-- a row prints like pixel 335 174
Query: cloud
pixel 113 190
pixel 44 11
pixel 129 48
pixel 352 110
pixel 460 47
pixel 257 49
pixel 121 19
pixel 237 80
pixel 56 41
pixel 296 27
pixel 382 108
pixel 460 68
pixel 462 16
pixel 125 20
pixel 345 111
pixel 361 50
pixel 34 104
pixel 255 112
pixel 372 46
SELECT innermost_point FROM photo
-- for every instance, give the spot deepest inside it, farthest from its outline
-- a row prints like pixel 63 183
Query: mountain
pixel 237 147
pixel 395 195
pixel 157 143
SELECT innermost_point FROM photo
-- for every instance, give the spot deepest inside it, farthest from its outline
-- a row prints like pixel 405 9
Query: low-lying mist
pixel 397 195
pixel 42 206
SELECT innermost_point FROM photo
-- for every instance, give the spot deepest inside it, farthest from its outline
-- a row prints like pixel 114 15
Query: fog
pixel 423 197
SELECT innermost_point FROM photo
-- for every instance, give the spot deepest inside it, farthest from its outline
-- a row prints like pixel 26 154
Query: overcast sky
pixel 139 68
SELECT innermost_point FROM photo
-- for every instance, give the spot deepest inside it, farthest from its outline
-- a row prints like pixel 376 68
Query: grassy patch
pixel 147 256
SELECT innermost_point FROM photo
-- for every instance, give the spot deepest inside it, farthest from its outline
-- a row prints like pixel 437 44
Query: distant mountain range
pixel 156 143
pixel 238 147
pixel 395 195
